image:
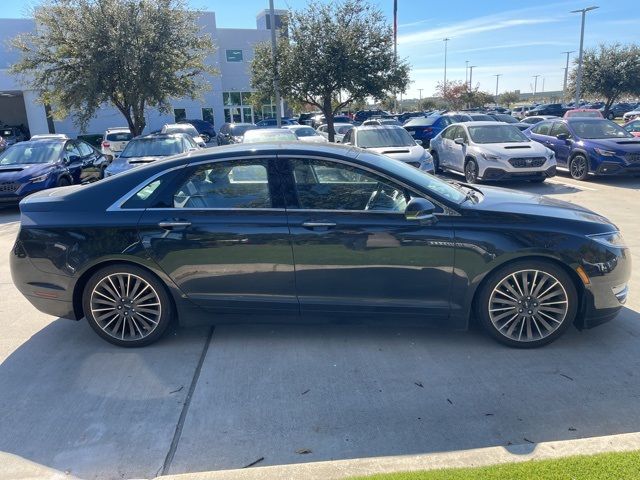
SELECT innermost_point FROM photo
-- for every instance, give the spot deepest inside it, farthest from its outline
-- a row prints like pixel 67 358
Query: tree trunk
pixel 607 106
pixel 328 115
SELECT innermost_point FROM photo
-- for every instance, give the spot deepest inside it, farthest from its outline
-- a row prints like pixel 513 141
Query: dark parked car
pixel 204 128
pixel 589 145
pixel 232 132
pixel 12 135
pixel 618 110
pixel 329 231
pixel 503 117
pixel 425 128
pixel 272 122
pixel 555 109
pixel 363 115
pixel 46 162
pixel 305 118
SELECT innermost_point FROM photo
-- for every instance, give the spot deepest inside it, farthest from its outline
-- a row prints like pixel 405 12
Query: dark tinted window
pixel 559 128
pixel 384 137
pixel 85 149
pixel 119 137
pixel 324 185
pixel 542 128
pixel 153 147
pixel 233 184
pixel 421 122
pixel 238 130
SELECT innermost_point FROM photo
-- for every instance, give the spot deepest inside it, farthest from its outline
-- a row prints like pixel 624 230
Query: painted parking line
pixel 566 181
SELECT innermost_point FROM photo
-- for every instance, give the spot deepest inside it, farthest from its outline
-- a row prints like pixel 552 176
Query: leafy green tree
pixel 507 98
pixel 427 104
pixel 334 53
pixel 609 71
pixel 132 54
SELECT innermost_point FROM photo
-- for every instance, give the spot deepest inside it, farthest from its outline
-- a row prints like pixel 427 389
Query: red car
pixel 633 127
pixel 583 112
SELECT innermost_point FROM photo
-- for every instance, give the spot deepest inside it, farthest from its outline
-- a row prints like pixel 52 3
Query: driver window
pixel 71 150
pixel 542 128
pixel 560 128
pixel 326 185
pixel 448 133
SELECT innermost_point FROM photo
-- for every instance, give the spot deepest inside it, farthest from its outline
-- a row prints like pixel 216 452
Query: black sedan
pixel 299 230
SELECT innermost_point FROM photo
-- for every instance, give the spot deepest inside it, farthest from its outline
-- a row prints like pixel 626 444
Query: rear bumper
pixel 499 174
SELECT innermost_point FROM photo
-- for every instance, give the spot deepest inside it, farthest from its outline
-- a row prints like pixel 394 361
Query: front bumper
pixel 500 174
pixel 616 168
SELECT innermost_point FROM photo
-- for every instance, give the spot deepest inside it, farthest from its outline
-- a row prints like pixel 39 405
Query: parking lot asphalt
pixel 274 394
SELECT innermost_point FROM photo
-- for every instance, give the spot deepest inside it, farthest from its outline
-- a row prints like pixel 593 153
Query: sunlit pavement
pixel 285 394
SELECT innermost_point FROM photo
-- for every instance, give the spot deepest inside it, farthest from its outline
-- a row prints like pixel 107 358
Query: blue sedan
pixel 589 146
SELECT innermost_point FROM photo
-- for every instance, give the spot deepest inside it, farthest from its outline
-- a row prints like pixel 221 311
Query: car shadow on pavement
pixel 632 183
pixel 306 392
pixel 72 402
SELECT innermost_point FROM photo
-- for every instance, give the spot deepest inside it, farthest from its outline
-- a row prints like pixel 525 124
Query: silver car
pixel 392 141
pixel 306 134
pixel 491 151
pixel 339 128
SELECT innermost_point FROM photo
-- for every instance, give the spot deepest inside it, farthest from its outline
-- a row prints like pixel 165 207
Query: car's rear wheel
pixel 436 162
pixel 63 182
pixel 579 167
pixel 527 304
pixel 471 171
pixel 611 116
pixel 127 306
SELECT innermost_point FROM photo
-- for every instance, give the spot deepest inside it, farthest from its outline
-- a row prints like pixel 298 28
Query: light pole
pixel 579 75
pixel 420 91
pixel 471 76
pixel 444 86
pixel 466 72
pixel 535 86
pixel 276 86
pixel 566 74
pixel 498 75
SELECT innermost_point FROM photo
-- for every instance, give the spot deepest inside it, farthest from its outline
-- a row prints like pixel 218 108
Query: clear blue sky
pixel 517 39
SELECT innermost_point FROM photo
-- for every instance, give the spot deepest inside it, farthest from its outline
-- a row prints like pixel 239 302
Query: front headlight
pixel 552 154
pixel 610 239
pixel 39 178
pixel 605 153
pixel 488 156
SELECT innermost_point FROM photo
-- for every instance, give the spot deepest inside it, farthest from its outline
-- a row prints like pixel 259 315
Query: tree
pixel 132 54
pixel 427 104
pixel 457 95
pixel 609 71
pixel 334 53
pixel 507 98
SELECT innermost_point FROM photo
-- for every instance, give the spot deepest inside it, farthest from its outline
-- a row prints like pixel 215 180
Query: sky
pixel 513 38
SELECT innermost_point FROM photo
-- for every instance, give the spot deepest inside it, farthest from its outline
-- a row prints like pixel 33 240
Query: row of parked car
pixel 624 110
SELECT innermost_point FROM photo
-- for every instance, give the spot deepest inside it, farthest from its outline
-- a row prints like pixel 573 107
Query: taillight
pixel 106 144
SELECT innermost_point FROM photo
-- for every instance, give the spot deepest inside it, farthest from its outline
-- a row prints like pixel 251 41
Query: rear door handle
pixel 174 225
pixel 312 225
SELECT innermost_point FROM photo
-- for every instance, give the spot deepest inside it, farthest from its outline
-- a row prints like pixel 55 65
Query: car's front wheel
pixel 471 171
pixel 436 162
pixel 127 306
pixel 579 167
pixel 527 304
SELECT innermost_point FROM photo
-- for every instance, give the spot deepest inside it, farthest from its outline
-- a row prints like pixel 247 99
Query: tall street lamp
pixel 471 76
pixel 276 83
pixel 498 75
pixel 535 86
pixel 444 86
pixel 566 73
pixel 579 76
pixel 466 72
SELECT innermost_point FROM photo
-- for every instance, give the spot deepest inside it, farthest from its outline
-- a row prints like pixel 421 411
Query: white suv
pixel 491 151
pixel 114 141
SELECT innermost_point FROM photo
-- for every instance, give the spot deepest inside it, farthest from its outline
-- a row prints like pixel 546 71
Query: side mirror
pixel 419 142
pixel 562 136
pixel 459 141
pixel 420 209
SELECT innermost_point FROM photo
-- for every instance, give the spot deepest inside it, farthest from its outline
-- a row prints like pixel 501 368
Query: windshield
pixel 384 137
pixel 28 153
pixel 602 129
pixel 152 147
pixel 254 136
pixel 503 117
pixel 584 114
pixel 239 130
pixel 497 134
pixel 343 129
pixel 305 132
pixel 188 129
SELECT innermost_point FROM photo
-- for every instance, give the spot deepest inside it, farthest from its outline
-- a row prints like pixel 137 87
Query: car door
pixel 73 161
pixel 90 162
pixel 541 133
pixel 561 147
pixel 446 142
pixel 354 249
pixel 222 237
pixel 457 152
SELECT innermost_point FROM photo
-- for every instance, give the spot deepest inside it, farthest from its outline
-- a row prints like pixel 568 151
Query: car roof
pixel 379 127
pixel 482 123
pixel 117 129
pixel 161 135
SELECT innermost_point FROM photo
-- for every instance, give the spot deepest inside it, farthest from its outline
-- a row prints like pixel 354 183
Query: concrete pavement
pixel 306 393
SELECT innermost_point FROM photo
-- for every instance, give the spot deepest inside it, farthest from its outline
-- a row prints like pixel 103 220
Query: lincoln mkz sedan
pixel 313 231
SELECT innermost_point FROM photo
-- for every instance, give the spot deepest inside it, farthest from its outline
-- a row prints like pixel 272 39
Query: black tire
pixel 64 182
pixel 611 116
pixel 579 167
pixel 471 171
pixel 138 329
pixel 436 162
pixel 206 138
pixel 501 333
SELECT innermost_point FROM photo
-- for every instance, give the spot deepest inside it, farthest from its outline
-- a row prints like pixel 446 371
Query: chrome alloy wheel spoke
pixel 125 306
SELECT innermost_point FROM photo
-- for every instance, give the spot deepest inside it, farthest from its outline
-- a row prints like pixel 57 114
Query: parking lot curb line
pixel 187 402
pixel 341 469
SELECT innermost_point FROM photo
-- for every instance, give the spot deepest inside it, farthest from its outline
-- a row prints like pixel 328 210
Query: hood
pixel 502 200
pixel 16 173
pixel 627 145
pixel 524 149
pixel 406 154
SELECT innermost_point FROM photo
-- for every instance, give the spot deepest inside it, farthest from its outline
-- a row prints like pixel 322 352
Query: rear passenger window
pixel 542 129
pixel 234 184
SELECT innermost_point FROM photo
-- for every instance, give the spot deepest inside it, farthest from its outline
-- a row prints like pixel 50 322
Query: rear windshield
pixel 421 121
pixel 184 128
pixel 152 147
pixel 305 132
pixel 385 137
pixel 238 130
pixel 119 137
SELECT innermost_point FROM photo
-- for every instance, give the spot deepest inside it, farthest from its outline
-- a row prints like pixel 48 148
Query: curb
pixel 341 469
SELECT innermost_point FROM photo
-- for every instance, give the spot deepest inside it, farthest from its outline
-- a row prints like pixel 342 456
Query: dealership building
pixel 227 99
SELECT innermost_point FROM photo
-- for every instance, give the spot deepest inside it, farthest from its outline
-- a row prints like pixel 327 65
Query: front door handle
pixel 174 225
pixel 312 225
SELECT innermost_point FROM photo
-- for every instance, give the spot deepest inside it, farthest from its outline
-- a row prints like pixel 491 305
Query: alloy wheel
pixel 125 306
pixel 528 305
pixel 578 167
pixel 471 171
